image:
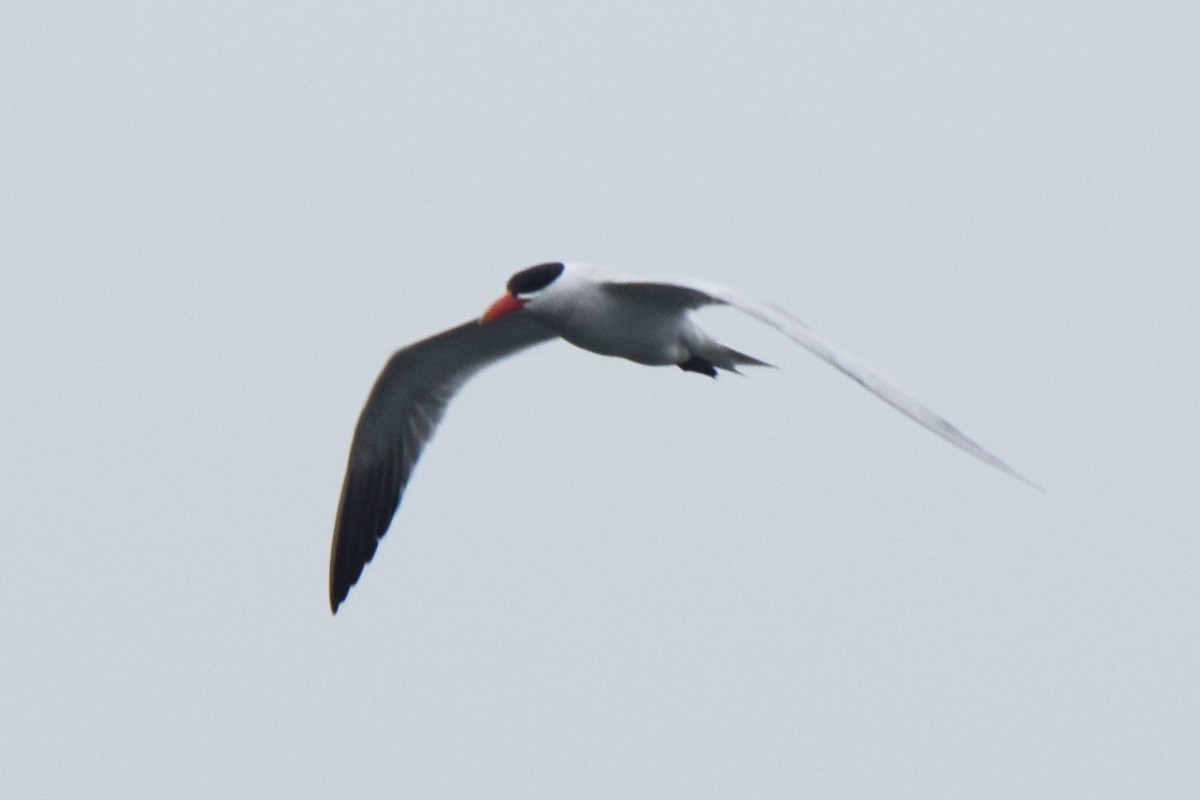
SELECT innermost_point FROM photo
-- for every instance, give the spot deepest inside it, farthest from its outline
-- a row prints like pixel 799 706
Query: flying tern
pixel 645 321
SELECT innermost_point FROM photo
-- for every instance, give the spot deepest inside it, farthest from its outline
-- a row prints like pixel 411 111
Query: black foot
pixel 698 364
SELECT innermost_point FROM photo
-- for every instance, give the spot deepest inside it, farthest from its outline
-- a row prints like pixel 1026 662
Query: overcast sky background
pixel 216 222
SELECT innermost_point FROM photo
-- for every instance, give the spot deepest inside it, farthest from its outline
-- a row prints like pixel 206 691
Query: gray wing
pixel 690 294
pixel 401 413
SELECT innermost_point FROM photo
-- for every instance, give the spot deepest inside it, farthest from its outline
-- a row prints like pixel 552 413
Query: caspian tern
pixel 641 320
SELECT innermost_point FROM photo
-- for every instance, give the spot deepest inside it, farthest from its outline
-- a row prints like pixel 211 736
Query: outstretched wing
pixel 400 416
pixel 689 294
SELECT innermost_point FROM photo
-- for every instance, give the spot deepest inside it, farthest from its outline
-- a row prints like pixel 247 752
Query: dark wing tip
pixel 342 576
pixel 370 498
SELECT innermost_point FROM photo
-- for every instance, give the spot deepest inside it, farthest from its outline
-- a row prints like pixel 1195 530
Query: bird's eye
pixel 534 279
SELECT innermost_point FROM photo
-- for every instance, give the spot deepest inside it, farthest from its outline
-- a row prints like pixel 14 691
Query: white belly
pixel 645 335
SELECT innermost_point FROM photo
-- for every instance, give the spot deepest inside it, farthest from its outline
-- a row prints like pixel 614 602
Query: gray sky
pixel 606 580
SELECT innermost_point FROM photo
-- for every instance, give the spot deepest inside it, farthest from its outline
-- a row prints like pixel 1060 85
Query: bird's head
pixel 529 286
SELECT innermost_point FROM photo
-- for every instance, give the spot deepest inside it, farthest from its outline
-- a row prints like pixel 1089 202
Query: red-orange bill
pixel 505 305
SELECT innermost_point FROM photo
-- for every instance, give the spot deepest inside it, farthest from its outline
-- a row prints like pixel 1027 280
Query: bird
pixel 643 320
